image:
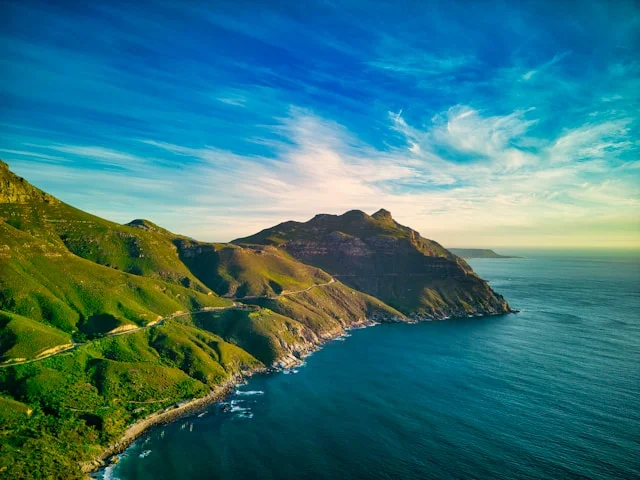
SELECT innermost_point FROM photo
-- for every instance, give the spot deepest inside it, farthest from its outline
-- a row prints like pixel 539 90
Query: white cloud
pixel 545 66
pixel 105 156
pixel 234 97
pixel 493 199
pixel 421 64
pixel 466 130
pixel 27 153
pixel 592 141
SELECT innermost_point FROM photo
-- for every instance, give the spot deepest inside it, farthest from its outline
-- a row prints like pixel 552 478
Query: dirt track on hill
pixel 160 322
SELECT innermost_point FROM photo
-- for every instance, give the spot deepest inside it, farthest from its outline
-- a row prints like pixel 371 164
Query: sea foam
pixel 249 392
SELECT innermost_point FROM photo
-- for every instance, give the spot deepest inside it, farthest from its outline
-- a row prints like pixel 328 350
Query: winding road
pixel 160 322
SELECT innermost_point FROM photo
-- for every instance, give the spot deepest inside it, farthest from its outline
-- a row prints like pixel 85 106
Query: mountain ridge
pixel 379 256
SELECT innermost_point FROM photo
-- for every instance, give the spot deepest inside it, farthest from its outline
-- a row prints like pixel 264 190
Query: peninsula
pixel 469 253
pixel 104 326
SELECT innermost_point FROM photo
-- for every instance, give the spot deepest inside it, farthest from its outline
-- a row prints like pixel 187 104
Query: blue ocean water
pixel 550 393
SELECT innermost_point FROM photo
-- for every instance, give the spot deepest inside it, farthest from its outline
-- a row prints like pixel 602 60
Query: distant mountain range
pixel 103 324
pixel 477 253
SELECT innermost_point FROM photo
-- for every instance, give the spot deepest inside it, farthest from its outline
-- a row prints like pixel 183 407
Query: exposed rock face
pixel 378 256
pixel 17 190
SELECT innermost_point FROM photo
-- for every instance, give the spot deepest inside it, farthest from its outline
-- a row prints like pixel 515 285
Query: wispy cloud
pixel 421 64
pixel 545 66
pixel 590 141
pixel 511 128
pixel 104 156
pixel 320 166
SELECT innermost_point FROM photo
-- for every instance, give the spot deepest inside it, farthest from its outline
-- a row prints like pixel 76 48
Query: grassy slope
pixel 132 248
pixel 232 270
pixel 84 399
pixel 48 284
pixel 23 338
pixel 324 309
pixel 291 325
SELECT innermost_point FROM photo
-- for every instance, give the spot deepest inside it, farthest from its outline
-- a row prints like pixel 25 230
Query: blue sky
pixel 476 123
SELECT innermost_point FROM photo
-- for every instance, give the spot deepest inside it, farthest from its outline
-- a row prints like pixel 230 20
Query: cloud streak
pixel 321 167
pixel 250 117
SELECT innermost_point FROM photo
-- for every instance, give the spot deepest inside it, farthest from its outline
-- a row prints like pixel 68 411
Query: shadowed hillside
pixel 377 255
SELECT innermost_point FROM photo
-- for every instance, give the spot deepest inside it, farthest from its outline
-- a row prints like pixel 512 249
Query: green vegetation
pixel 74 295
pixel 66 275
pixel 244 272
pixel 13 411
pixel 85 399
pixel 140 247
pixel 290 325
pixel 23 338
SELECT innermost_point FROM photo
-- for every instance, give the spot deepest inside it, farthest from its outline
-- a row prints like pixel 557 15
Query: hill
pixel 377 255
pixel 234 271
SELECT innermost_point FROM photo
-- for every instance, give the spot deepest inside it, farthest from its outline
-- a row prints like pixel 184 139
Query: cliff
pixel 394 263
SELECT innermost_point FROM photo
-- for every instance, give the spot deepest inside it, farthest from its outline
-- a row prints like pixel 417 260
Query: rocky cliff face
pixel 378 256
pixel 17 190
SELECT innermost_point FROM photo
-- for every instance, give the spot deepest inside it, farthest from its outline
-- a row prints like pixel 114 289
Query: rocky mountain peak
pixel 149 226
pixel 143 224
pixel 383 215
pixel 15 189
pixel 355 215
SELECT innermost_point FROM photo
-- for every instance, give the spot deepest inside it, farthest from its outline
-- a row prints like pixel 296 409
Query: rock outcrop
pixel 394 263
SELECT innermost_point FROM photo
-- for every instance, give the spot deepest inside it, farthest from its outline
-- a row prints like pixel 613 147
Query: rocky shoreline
pixel 184 408
pixel 167 415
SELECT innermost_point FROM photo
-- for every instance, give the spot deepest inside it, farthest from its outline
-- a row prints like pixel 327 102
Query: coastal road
pixel 284 293
pixel 160 322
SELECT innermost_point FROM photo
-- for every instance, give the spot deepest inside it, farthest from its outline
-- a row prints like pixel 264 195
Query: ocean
pixel 552 392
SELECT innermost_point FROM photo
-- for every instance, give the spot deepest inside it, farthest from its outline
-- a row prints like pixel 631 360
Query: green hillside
pixel 84 400
pixel 287 327
pixel 44 282
pixel 128 248
pixel 231 270
pixel 22 338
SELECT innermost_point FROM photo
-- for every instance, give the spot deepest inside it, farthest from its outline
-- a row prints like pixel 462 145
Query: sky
pixel 479 124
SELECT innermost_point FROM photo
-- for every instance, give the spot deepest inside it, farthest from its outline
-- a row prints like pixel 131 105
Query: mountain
pixel 102 324
pixel 377 255
pixel 477 253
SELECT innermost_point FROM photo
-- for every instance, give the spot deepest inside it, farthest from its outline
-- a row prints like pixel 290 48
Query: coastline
pixel 222 391
pixel 218 394
pixel 167 415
